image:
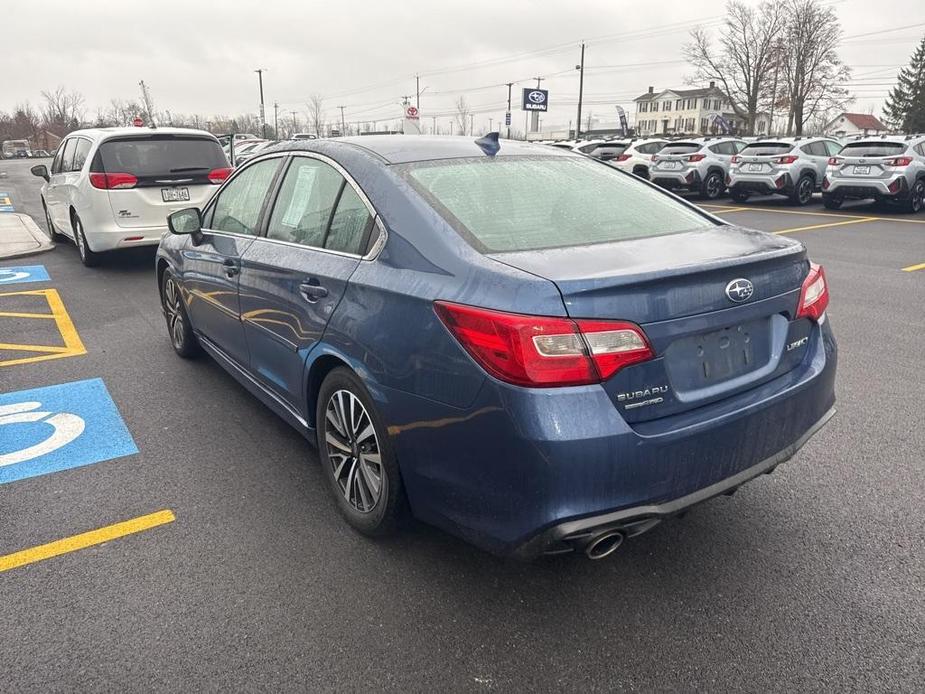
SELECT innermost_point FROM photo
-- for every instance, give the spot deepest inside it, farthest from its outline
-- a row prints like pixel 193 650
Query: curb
pixel 20 236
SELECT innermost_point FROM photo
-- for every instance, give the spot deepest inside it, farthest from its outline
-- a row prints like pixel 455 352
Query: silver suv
pixel 637 157
pixel 791 166
pixel 888 168
pixel 699 165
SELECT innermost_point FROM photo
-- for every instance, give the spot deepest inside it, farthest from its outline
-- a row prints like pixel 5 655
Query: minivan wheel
pixel 916 200
pixel 87 256
pixel 712 186
pixel 802 191
pixel 356 455
pixel 831 202
pixel 178 326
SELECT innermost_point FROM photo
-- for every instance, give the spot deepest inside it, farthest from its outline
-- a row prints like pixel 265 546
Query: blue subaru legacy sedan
pixel 524 346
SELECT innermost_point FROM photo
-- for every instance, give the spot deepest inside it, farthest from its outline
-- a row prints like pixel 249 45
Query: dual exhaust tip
pixel 604 544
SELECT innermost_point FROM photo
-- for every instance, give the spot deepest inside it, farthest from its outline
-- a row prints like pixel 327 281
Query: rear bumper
pixel 861 189
pixel 681 179
pixel 109 236
pixel 522 469
pixel 762 185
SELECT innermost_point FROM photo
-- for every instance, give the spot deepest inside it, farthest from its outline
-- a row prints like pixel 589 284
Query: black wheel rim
pixel 174 313
pixel 806 190
pixel 918 196
pixel 713 186
pixel 353 451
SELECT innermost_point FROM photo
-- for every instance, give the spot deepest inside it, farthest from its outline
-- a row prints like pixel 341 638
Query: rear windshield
pixel 758 149
pixel 533 202
pixel 680 148
pixel 872 149
pixel 158 155
pixel 610 149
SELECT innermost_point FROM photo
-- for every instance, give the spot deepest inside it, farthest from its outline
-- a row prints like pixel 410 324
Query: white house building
pixel 855 124
pixel 689 111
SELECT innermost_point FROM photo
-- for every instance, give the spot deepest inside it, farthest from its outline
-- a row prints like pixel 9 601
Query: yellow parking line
pixel 34 348
pixel 727 208
pixel 73 346
pixel 16 314
pixel 913 268
pixel 722 209
pixel 827 225
pixel 84 540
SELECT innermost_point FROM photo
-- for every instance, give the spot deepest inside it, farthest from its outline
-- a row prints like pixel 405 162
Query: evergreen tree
pixel 905 106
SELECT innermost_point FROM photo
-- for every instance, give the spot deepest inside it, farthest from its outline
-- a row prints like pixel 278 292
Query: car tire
pixel 831 202
pixel 642 172
pixel 803 191
pixel 712 186
pixel 357 461
pixel 55 234
pixel 87 256
pixel 916 200
pixel 180 331
pixel 738 195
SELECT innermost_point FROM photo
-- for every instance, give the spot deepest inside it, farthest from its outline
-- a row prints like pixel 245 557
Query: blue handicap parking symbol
pixel 59 427
pixel 23 273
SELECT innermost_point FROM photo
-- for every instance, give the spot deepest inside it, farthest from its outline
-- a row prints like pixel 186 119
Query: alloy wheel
pixel 806 190
pixel 174 312
pixel 918 196
pixel 714 186
pixel 79 239
pixel 353 451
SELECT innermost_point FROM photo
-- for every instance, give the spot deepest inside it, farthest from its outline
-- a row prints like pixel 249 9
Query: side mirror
pixel 188 221
pixel 40 170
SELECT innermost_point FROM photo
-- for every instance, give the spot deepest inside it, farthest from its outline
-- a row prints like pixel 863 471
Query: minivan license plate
pixel 175 194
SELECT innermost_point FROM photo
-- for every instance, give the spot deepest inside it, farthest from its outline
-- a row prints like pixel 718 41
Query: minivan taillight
pixel 544 351
pixel 113 181
pixel 219 175
pixel 814 295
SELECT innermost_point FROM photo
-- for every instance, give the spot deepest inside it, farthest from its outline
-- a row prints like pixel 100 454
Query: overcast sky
pixel 199 57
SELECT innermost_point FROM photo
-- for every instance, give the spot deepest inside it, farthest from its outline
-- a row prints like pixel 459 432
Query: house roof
pixel 682 93
pixel 863 121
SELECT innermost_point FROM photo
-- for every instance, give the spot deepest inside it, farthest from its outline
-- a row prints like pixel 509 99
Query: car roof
pixel 107 133
pixel 402 149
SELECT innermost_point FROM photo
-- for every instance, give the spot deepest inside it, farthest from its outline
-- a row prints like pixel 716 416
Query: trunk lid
pixel 707 345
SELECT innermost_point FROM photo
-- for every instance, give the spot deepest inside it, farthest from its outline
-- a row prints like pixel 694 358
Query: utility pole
pixel 148 102
pixel 263 114
pixel 507 116
pixel 417 91
pixel 581 88
pixel 343 124
pixel 276 120
pixel 295 126
pixel 535 115
pixel 489 125
pixel 435 125
pixel 472 124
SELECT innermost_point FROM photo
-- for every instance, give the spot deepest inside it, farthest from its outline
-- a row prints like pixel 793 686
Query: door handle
pixel 311 291
pixel 231 268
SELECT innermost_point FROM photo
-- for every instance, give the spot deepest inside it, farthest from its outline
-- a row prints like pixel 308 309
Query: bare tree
pixel 63 110
pixel 743 60
pixel 315 107
pixel 814 76
pixel 462 115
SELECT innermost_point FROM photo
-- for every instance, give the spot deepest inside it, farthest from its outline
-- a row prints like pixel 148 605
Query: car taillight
pixel 814 295
pixel 622 157
pixel 735 159
pixel 899 161
pixel 835 161
pixel 536 351
pixel 786 159
pixel 113 181
pixel 219 175
pixel 696 157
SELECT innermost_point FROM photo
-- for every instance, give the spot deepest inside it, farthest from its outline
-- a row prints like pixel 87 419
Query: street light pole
pixel 581 88
pixel 535 116
pixel 417 91
pixel 507 116
pixel 276 120
pixel 343 124
pixel 263 114
pixel 294 126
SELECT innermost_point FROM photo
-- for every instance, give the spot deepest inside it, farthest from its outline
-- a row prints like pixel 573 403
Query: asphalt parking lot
pixel 235 571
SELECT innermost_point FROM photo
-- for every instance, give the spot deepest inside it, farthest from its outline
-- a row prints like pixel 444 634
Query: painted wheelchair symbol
pixel 65 428
pixel 12 275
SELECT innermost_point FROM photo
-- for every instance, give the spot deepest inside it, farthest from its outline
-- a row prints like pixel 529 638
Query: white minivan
pixel 111 188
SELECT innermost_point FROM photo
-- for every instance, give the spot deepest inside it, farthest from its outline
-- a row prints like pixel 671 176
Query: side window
pixel 59 155
pixel 68 156
pixel 305 203
pixel 350 224
pixel 834 148
pixel 80 154
pixel 717 148
pixel 237 209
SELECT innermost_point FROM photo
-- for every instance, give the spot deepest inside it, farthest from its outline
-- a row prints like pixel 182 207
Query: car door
pixel 55 190
pixel 212 260
pixel 293 278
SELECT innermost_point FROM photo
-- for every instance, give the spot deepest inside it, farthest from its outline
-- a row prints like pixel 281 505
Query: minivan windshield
pixel 533 202
pixel 761 149
pixel 872 149
pixel 159 155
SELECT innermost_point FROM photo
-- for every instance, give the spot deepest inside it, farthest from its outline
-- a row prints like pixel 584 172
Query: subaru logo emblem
pixel 536 97
pixel 740 290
